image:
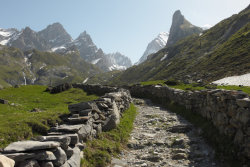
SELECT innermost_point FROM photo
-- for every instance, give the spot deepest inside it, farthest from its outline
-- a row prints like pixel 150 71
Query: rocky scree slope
pixel 55 38
pixel 220 51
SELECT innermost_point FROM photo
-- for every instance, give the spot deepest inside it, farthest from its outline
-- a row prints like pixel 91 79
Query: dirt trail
pixel 162 138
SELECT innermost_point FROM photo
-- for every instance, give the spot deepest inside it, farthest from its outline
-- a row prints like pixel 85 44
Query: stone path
pixel 162 138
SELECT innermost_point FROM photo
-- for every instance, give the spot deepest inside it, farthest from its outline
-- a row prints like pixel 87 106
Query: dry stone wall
pixel 63 144
pixel 229 111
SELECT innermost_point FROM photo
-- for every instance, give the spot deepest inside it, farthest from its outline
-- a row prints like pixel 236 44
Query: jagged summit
pixel 181 28
pixel 55 34
pixel 54 38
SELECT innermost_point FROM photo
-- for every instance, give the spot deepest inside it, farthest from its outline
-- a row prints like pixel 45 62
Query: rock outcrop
pixel 181 28
pixel 63 145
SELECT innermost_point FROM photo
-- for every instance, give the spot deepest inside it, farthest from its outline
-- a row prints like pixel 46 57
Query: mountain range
pixel 193 54
pixel 54 38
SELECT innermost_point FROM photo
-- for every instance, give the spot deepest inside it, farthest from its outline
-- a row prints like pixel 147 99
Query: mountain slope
pixel 154 46
pixel 221 51
pixel 36 67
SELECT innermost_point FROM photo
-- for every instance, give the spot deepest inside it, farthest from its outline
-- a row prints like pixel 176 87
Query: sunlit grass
pixel 16 120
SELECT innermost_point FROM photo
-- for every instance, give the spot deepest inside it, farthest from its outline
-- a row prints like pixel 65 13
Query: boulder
pixel 6 162
pixel 61 88
pixel 81 107
pixel 36 110
pixel 112 120
pixel 2 101
pixel 29 163
pixel 22 146
pixel 61 157
pixel 69 152
pixel 47 164
pixel 63 140
pixel 75 159
pixel 85 132
pixel 74 138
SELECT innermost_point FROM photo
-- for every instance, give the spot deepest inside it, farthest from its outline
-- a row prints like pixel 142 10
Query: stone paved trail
pixel 162 138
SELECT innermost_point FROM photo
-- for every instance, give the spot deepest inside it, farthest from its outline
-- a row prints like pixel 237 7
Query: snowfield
pixel 235 80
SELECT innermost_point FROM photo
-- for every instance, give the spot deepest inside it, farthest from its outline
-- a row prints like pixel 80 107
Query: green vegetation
pixel 99 151
pixel 44 67
pixel 197 86
pixel 157 82
pixel 219 52
pixel 16 120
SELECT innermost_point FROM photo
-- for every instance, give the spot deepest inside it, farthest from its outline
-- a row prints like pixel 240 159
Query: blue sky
pixel 126 26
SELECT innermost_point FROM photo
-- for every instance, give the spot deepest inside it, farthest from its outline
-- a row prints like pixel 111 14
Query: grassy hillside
pixel 221 51
pixel 42 67
pixel 196 86
pixel 16 120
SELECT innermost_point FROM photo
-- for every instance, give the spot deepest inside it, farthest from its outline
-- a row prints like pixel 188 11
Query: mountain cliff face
pixel 54 38
pixel 218 52
pixel 181 28
pixel 154 46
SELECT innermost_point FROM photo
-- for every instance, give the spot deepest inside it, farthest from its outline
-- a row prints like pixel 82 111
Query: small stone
pixel 36 110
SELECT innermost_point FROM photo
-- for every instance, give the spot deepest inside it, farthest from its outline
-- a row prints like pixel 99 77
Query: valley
pixel 65 102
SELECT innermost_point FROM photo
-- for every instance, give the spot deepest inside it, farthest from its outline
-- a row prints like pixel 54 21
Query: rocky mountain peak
pixel 55 34
pixel 84 36
pixel 154 46
pixel 181 28
pixel 28 30
pixel 178 18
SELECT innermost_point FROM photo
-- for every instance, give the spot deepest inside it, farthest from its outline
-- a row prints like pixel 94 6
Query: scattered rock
pixel 2 101
pixel 36 110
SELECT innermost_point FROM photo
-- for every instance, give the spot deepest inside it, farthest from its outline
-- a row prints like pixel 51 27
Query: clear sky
pixel 126 26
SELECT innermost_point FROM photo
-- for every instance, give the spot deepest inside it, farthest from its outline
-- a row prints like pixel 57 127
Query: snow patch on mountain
pixel 164 57
pixel 154 46
pixel 117 67
pixel 206 26
pixel 86 80
pixel 235 80
pixel 95 61
pixel 58 48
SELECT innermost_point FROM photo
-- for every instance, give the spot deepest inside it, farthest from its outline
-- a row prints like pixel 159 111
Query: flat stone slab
pixel 67 128
pixel 22 146
pixel 41 156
